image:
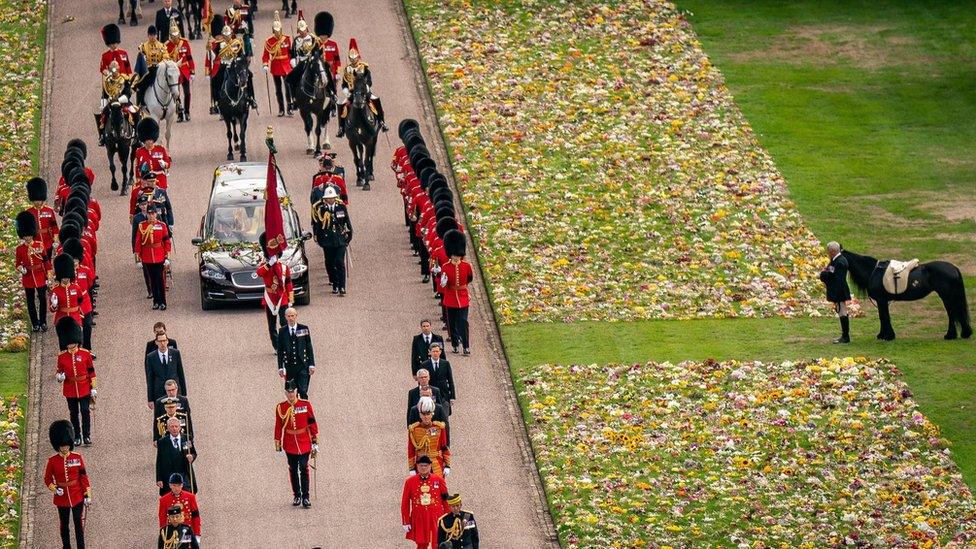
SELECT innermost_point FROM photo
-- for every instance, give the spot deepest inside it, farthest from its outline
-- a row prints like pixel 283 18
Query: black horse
pixel 362 127
pixel 940 277
pixel 120 141
pixel 133 6
pixel 233 104
pixel 315 99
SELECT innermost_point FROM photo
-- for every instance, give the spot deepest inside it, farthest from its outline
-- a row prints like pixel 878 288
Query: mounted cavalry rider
pixel 112 36
pixel 302 48
pixel 239 18
pixel 356 69
pixel 225 50
pixel 179 51
pixel 116 88
pixel 151 53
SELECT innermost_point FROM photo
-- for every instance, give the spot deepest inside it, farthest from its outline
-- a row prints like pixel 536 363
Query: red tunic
pixel 79 373
pixel 421 505
pixel 152 242
pixel 68 473
pixel 330 53
pixel 295 427
pixel 118 54
pixel 47 224
pixel 31 258
pixel 276 54
pixel 278 286
pixel 63 189
pixel 322 179
pixel 85 280
pixel 456 290
pixel 186 500
pixel 154 158
pixel 66 301
pixel 180 52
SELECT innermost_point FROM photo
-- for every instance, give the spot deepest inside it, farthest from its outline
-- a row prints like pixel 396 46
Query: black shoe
pixel 87 441
pixel 467 352
pixel 289 113
pixel 35 328
pixel 149 295
pixel 342 132
pixel 77 442
pixel 296 502
pixel 93 355
pixel 842 339
pixel 155 306
pixel 43 327
pixel 384 127
pixel 281 114
pixel 213 110
pixel 342 292
pixel 426 279
pixel 454 350
pixel 162 307
pixel 305 503
pixel 101 141
pixel 179 117
pixel 335 290
pixel 186 117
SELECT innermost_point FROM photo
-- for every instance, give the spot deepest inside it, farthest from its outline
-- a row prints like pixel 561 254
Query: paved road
pixel 362 340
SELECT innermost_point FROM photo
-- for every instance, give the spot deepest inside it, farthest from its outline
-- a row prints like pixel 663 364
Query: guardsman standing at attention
pixel 185 502
pixel 30 261
pixel 279 291
pixel 112 36
pixel 151 53
pixel 296 434
pixel 76 374
pixel 333 232
pixel 421 504
pixel 66 477
pixel 152 153
pixel 276 60
pixel 178 49
pixel 66 296
pixel 457 528
pixel 47 222
pixel 453 283
pixel 153 245
pixel 174 533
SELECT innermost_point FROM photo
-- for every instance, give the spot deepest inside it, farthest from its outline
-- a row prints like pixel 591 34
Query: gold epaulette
pixel 412 425
pixel 439 424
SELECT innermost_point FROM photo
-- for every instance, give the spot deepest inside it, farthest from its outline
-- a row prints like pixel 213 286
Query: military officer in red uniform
pixel 422 504
pixel 179 51
pixel 30 261
pixel 85 279
pixel 279 291
pixel 112 36
pixel 296 434
pixel 453 283
pixel 76 374
pixel 428 438
pixel 276 59
pixel 47 222
pixel 185 501
pixel 326 177
pixel 151 153
pixel 65 476
pixel 66 296
pixel 153 245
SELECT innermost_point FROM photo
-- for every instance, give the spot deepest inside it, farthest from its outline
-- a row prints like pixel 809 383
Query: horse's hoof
pixel 243 157
pixel 366 187
pixel 230 156
pixel 309 151
pixel 950 336
pixel 115 186
pixel 121 20
pixel 359 182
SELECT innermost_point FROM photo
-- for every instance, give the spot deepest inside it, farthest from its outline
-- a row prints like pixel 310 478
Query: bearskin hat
pixel 454 243
pixel 422 163
pixel 77 174
pixel 75 154
pixel 74 248
pixel 438 180
pixel 68 332
pixel 263 241
pixel 324 24
pixel 417 151
pixel 74 218
pixel 442 194
pixel 68 164
pixel 77 143
pixel 147 128
pixel 413 139
pixel 26 224
pixel 111 34
pixel 435 183
pixel 405 125
pixel 36 189
pixel 64 267
pixel 445 224
pixel 217 25
pixel 76 204
pixel 425 176
pixel 61 434
pixel 70 229
pixel 80 192
pixel 444 210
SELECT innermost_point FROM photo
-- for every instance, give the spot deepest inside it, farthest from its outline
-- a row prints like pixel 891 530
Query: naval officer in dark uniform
pixel 296 360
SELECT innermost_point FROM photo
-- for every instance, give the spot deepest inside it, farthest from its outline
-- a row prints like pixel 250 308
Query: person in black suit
pixel 413 395
pixel 441 376
pixel 296 360
pixel 161 365
pixel 172 391
pixel 159 329
pixel 175 453
pixel 420 349
pixel 413 414
pixel 163 17
pixel 834 277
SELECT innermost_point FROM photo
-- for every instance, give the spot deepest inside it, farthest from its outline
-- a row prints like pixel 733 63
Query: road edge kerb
pixel 499 355
pixel 28 486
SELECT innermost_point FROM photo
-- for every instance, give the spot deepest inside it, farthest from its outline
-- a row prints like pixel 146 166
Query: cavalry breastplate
pixel 353 72
pixel 304 44
pixel 231 50
pixel 113 85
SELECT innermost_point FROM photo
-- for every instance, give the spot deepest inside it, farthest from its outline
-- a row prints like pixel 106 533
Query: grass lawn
pixel 13 374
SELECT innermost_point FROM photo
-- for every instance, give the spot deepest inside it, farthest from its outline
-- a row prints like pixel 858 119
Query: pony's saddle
pixel 895 278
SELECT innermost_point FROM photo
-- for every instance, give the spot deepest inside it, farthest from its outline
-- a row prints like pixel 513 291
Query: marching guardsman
pixel 153 244
pixel 30 260
pixel 276 59
pixel 174 533
pixel 66 295
pixel 333 232
pixel 65 476
pixel 178 49
pixel 155 197
pixel 834 277
pixel 184 502
pixel 457 528
pixel 116 88
pixel 328 176
pixel 356 69
pixel 112 36
pixel 279 291
pixel 324 26
pixel 171 406
pixel 152 153
pixel 151 53
pixel 429 438
pixel 453 283
pixel 422 504
pixel 76 374
pixel 296 434
pixel 85 280
pixel 47 222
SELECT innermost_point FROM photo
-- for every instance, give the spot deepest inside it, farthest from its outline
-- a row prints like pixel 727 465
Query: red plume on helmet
pixel 353 46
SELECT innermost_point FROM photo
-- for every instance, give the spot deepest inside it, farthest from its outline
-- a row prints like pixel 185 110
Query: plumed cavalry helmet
pixel 68 332
pixel 454 243
pixel 36 189
pixel 324 24
pixel 61 433
pixel 64 267
pixel 276 25
pixel 174 29
pixel 148 128
pixel 111 34
pixel 302 25
pixel 217 25
pixel 26 224
pixel 353 50
pixel 407 124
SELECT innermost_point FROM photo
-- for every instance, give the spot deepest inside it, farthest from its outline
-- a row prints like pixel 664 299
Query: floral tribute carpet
pixel 606 170
pixel 825 453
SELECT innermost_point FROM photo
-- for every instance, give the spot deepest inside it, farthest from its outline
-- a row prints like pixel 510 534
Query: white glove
pixel 94 393
pixel 315 447
pixel 436 269
pixel 139 264
pixel 293 62
pixel 22 269
pixel 192 76
pixel 60 377
pixel 265 67
pixel 123 99
pixel 54 300
pixel 87 501
pixel 412 472
pixel 59 491
pixel 282 451
pixel 166 262
pixel 311 370
pixel 406 527
pixel 163 165
pixel 198 539
pixel 208 78
pixel 281 372
pixel 103 102
pixel 447 472
pixel 444 279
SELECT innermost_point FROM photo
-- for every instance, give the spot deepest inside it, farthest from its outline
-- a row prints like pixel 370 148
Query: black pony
pixel 315 99
pixel 362 127
pixel 119 137
pixel 940 277
pixel 233 102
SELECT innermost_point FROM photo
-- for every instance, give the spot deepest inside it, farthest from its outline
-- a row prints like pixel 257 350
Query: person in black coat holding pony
pixel 834 277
